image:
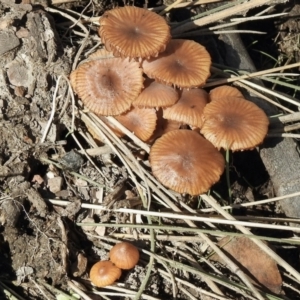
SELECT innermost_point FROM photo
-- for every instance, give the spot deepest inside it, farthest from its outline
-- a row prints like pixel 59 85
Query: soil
pixel 41 248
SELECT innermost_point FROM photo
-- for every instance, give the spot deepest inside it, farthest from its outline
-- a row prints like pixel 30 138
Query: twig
pixel 251 75
pixel 169 7
pixel 217 233
pixel 220 15
pixel 257 18
pixel 185 4
pixel 190 285
pixel 78 23
pixel 135 139
pixel 259 202
pixel 52 111
pixel 78 291
pixel 262 96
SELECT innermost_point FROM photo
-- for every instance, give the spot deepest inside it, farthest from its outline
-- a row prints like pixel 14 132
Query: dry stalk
pixel 221 15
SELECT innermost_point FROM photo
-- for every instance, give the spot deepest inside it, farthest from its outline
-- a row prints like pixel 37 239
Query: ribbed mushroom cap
pixel 141 121
pixel 108 86
pixel 162 126
pixel 104 273
pixel 184 64
pixel 234 123
pixel 189 108
pixel 119 133
pixel 100 54
pixel 134 32
pixel 185 162
pixel 97 137
pixel 225 91
pixel 156 95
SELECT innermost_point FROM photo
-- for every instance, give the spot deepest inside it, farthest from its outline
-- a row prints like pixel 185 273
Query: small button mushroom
pixel 104 273
pixel 124 255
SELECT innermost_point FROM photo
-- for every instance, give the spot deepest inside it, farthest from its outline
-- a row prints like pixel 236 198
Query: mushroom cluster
pixel 123 255
pixel 152 85
pixel 140 70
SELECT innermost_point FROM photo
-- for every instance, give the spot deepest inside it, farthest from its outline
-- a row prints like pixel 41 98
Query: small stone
pixel 55 184
pixel 8 41
pixel 19 91
pixel 37 178
pixel 50 175
pixel 22 33
pixel 100 230
pixel 72 160
pixel 80 182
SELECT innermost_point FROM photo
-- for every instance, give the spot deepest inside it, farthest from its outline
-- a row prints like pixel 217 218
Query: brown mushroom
pixel 225 92
pixel 104 273
pixel 134 32
pixel 100 54
pixel 189 108
pixel 108 86
pixel 124 255
pixel 140 121
pixel 163 126
pixel 185 162
pixel 184 64
pixel 97 137
pixel 234 123
pixel 156 95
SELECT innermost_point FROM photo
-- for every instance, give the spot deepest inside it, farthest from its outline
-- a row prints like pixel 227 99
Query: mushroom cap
pixel 234 123
pixel 141 121
pixel 97 137
pixel 224 92
pixel 134 32
pixel 155 95
pixel 104 273
pixel 189 108
pixel 100 54
pixel 108 86
pixel 118 132
pixel 184 64
pixel 185 162
pixel 124 255
pixel 162 128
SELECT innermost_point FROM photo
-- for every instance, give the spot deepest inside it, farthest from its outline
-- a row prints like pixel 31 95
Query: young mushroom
pixel 163 126
pixel 104 273
pixel 124 255
pixel 184 64
pixel 134 32
pixel 140 121
pixel 185 162
pixel 225 91
pixel 189 108
pixel 233 123
pixel 156 95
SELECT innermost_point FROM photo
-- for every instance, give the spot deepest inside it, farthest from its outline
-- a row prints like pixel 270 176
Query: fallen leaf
pixel 253 261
